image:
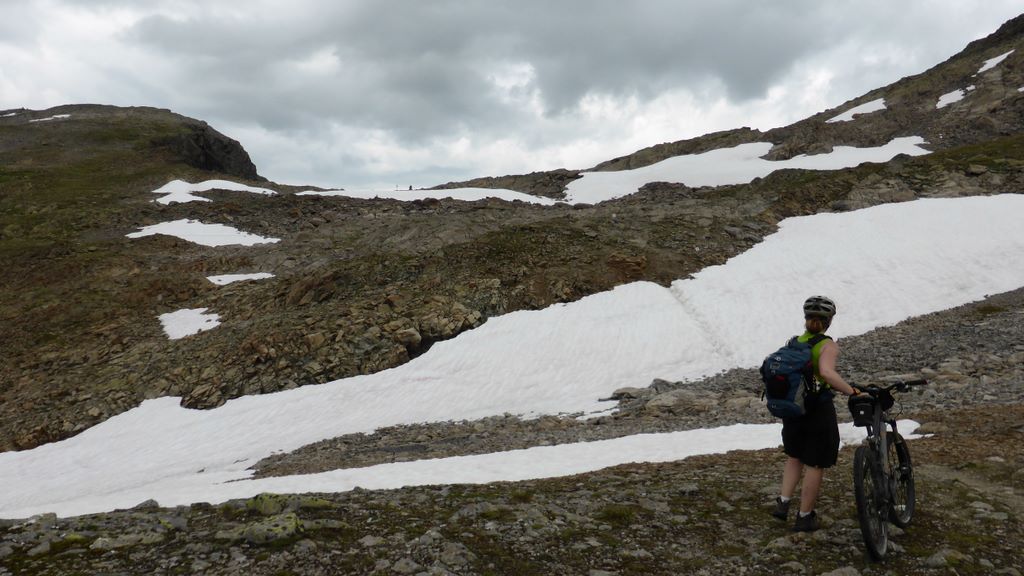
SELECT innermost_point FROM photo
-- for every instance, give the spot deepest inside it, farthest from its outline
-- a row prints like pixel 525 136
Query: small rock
pixel 40 549
pixel 793 567
pixel 455 554
pixel 106 543
pixel 370 541
pixel 944 557
pixel 305 547
pixel 638 553
pixel 147 505
pixel 430 537
pixel 981 506
pixel 688 489
pixel 780 543
pixel 408 337
pixel 267 503
pixel 405 566
pixel 931 428
pixel 275 528
pixel 48 520
pixel 316 340
pixel 172 522
pixel 628 393
pixel 844 571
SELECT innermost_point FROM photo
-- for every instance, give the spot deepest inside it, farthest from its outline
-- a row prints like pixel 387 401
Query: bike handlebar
pixel 899 386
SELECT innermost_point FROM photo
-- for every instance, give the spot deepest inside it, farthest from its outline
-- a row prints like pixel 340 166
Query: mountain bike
pixel 883 476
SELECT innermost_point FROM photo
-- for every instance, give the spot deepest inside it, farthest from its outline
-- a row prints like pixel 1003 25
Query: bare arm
pixel 827 368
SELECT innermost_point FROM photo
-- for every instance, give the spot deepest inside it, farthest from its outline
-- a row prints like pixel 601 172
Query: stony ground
pixel 704 515
pixel 361 286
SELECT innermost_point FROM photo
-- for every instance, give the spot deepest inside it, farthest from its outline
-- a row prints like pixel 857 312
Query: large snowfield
pixel 881 265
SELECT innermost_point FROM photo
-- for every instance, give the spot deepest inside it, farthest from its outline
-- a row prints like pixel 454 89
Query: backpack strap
pixel 814 340
pixel 812 383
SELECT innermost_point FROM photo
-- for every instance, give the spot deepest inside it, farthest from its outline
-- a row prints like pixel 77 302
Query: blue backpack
pixel 788 376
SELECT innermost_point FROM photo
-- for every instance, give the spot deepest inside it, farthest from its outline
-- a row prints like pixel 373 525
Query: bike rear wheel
pixel 868 491
pixel 901 474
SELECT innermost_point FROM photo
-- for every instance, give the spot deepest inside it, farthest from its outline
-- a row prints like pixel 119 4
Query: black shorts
pixel 814 437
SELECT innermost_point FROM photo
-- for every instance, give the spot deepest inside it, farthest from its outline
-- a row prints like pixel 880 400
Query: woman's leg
pixel 791 476
pixel 809 492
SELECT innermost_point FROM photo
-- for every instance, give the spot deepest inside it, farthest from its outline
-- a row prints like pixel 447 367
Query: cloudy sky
pixel 393 93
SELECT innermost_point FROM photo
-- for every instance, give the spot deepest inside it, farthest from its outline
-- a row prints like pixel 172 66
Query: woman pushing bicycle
pixel 811 441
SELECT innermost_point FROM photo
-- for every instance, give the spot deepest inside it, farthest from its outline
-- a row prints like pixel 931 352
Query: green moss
pixel 618 514
pixel 990 309
pixel 522 496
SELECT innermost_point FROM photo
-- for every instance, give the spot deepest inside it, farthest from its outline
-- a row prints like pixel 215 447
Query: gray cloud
pixel 420 68
pixel 420 75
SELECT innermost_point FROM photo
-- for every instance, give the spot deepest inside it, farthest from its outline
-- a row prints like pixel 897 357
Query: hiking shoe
pixel 807 523
pixel 781 509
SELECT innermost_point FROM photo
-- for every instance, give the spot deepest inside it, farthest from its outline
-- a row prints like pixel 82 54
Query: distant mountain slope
pixel 991 107
pixel 364 285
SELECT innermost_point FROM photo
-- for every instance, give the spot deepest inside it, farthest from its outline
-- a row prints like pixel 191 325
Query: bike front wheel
pixel 901 475
pixel 868 491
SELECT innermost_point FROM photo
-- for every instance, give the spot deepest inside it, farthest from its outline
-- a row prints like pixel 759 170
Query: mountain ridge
pixel 361 286
pixel 365 285
pixel 813 135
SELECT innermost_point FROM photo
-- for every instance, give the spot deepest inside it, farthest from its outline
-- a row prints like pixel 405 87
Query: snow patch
pixel 993 62
pixel 180 191
pixel 465 194
pixel 9 115
pixel 188 322
pixel 54 117
pixel 225 279
pixel 737 165
pixel 885 264
pixel 949 98
pixel 205 234
pixel 866 108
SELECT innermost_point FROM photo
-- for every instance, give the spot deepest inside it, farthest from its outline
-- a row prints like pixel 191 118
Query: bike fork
pixel 881 479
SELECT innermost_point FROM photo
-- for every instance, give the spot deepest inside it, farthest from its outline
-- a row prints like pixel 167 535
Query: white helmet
pixel 819 306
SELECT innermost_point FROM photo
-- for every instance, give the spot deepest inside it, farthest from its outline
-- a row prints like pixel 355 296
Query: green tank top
pixel 823 386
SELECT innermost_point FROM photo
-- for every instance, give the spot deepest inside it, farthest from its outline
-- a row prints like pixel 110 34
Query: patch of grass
pixel 999 155
pixel 495 558
pixel 990 309
pixel 618 514
pixel 522 496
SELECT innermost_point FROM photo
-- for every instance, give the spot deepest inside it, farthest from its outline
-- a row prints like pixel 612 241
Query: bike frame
pixel 873 461
pixel 878 440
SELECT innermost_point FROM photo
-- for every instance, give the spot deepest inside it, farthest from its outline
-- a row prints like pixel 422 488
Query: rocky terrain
pixel 703 515
pixel 365 285
pixel 361 285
